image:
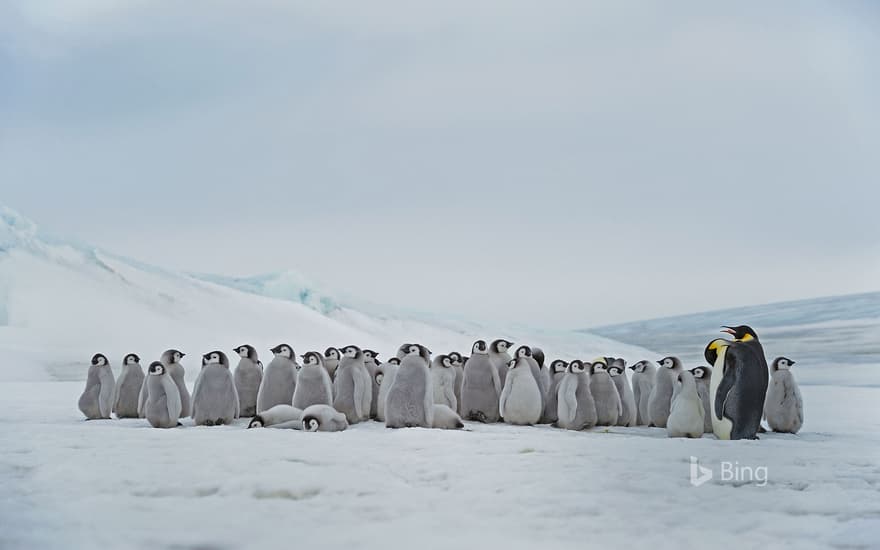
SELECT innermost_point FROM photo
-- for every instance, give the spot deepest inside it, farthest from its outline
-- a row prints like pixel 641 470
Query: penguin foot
pixel 209 422
pixel 762 430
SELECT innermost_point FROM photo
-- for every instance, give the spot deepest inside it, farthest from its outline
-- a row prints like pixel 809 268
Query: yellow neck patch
pixel 745 338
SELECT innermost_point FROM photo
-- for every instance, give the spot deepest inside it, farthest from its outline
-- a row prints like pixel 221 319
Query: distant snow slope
pixel 61 302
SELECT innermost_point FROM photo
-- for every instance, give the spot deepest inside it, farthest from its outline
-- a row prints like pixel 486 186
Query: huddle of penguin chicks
pixel 330 391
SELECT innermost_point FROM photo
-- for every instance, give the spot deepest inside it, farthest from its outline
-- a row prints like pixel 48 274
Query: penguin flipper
pixel 358 394
pixel 728 380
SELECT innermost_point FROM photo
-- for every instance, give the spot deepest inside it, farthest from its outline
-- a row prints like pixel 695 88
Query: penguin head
pixel 246 351
pixel 370 354
pixel 558 366
pixel 782 363
pixel 501 345
pixel 131 359
pixel 512 364
pixel 331 353
pixel 701 373
pixel 380 375
pixel 444 361
pixel 523 351
pixel 538 355
pixel 256 422
pixel 714 348
pixel 639 366
pixel 311 423
pixel 618 362
pixel 669 362
pixel 416 349
pixel 615 370
pixel 215 358
pixel 480 347
pixel 283 350
pixel 171 356
pixel 394 361
pixel 455 357
pixel 684 378
pixel 352 352
pixel 100 360
pixel 156 369
pixel 598 366
pixel 313 359
pixel 576 367
pixel 742 333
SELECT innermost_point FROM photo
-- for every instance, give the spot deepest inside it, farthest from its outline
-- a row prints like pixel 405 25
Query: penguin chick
pixel 279 379
pixel 520 401
pixel 372 364
pixel 643 383
pixel 576 410
pixel 535 368
pixel 128 387
pixel 248 376
pixel 784 407
pixel 499 354
pixel 480 387
pixel 605 396
pixel 96 400
pixel 557 370
pixel 277 415
pixel 660 400
pixel 331 361
pixel 313 386
pixel 385 375
pixel 171 359
pixel 703 378
pixel 410 401
pixel 323 418
pixel 446 419
pixel 443 379
pixel 215 399
pixel 458 367
pixel 352 387
pixel 162 409
pixel 628 412
pixel 687 414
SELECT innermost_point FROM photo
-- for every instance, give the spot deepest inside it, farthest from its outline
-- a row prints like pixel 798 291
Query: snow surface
pixel 68 483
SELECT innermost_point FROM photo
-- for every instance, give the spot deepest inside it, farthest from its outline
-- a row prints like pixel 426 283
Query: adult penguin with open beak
pixel 739 383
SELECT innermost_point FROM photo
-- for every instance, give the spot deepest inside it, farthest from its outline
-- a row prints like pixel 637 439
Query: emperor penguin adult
pixel 371 362
pixel 248 376
pixel 551 405
pixel 739 383
pixel 576 411
pixel 703 379
pixel 351 387
pixel 687 413
pixel 215 399
pixel 128 387
pixel 96 401
pixel 784 407
pixel 628 412
pixel 313 385
pixel 499 354
pixel 605 396
pixel 331 361
pixel 410 401
pixel 443 381
pixel 278 382
pixel 162 409
pixel 481 386
pixel 535 368
pixel 385 375
pixel 520 401
pixel 643 383
pixel 660 400
pixel 171 359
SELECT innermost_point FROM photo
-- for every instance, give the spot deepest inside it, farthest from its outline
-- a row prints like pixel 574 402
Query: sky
pixel 562 164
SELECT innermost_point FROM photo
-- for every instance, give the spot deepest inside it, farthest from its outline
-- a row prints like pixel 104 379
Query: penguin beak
pixel 182 355
pixel 790 363
pixel 728 330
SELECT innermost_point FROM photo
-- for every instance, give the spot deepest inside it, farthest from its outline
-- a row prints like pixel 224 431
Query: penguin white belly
pixel 724 426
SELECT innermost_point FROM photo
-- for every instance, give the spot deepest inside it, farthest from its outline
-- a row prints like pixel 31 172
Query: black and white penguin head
pixel 416 349
pixel 501 346
pixel 615 370
pixel 283 350
pixel 156 369
pixel 256 422
pixel 311 423
pixel 618 362
pixel 370 354
pixel 684 378
pixel 394 361
pixel 669 362
pixel 782 363
pixel 352 352
pixel 538 355
pixel 455 357
pixel 444 361
pixel 702 373
pixel 246 351
pixel 131 359
pixel 380 375
pixel 639 366
pixel 714 348
pixel 480 347
pixel 558 366
pixel 215 358
pixel 332 353
pixel 171 356
pixel 313 359
pixel 523 351
pixel 576 367
pixel 598 366
pixel 742 333
pixel 100 360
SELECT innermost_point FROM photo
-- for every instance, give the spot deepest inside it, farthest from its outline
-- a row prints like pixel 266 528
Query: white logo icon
pixel 699 474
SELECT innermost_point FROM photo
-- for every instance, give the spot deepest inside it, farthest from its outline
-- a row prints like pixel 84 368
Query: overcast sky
pixel 565 164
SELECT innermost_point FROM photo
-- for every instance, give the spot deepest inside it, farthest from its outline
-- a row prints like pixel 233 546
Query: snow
pixel 66 482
